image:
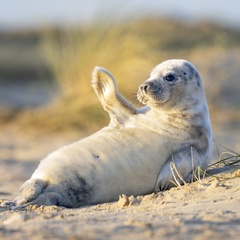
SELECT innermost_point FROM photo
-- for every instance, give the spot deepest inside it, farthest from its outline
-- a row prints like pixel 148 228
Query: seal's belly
pixel 111 161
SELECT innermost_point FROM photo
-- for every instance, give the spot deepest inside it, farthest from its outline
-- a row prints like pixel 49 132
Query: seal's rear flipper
pixel 29 191
pixel 46 199
pixel 32 193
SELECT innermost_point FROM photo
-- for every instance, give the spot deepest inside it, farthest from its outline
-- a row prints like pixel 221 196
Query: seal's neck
pixel 178 123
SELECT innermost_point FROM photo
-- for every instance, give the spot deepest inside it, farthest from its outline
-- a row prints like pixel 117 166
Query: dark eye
pixel 170 78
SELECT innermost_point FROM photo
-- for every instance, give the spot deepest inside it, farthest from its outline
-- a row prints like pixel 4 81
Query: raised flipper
pixel 105 87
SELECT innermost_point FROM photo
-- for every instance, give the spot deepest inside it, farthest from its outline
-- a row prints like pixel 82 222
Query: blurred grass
pixel 129 50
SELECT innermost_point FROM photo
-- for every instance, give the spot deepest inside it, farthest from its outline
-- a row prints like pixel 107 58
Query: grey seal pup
pixel 141 151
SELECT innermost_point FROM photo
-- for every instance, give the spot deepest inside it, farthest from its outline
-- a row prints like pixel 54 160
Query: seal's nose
pixel 144 87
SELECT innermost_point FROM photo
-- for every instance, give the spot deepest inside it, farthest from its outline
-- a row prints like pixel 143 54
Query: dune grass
pixel 225 168
pixel 226 158
pixel 72 54
pixel 127 49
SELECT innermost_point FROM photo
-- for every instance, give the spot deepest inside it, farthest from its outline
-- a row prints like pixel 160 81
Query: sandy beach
pixel 208 208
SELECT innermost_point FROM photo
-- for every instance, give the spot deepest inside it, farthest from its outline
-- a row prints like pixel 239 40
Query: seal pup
pixel 134 154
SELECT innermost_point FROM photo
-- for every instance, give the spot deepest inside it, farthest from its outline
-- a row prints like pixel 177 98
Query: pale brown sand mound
pixel 206 209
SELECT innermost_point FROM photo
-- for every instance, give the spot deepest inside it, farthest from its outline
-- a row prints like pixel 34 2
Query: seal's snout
pixel 144 88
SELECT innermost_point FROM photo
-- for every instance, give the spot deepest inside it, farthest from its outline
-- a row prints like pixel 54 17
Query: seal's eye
pixel 169 78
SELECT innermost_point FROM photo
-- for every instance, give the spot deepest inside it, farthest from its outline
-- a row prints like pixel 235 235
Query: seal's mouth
pixel 142 98
pixel 142 93
pixel 151 94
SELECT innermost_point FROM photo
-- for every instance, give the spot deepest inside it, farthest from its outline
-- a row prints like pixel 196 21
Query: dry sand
pixel 206 209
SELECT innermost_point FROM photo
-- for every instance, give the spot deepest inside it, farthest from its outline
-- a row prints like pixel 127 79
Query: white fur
pixel 134 153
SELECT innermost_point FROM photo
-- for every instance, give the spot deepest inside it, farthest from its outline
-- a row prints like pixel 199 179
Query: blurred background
pixel 48 50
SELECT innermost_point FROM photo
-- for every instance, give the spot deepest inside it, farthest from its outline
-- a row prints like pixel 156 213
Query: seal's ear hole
pixel 184 73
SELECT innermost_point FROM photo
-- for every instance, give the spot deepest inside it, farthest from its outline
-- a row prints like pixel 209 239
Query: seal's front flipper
pixel 105 87
pixel 180 168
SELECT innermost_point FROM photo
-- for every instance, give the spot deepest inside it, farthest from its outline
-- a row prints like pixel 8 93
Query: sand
pixel 208 208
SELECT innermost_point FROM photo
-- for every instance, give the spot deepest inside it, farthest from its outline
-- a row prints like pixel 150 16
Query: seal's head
pixel 174 84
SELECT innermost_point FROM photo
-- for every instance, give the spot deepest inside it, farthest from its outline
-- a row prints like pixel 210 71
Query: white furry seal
pixel 134 154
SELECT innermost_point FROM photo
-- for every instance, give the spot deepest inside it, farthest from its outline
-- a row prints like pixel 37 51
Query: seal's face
pixel 168 83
